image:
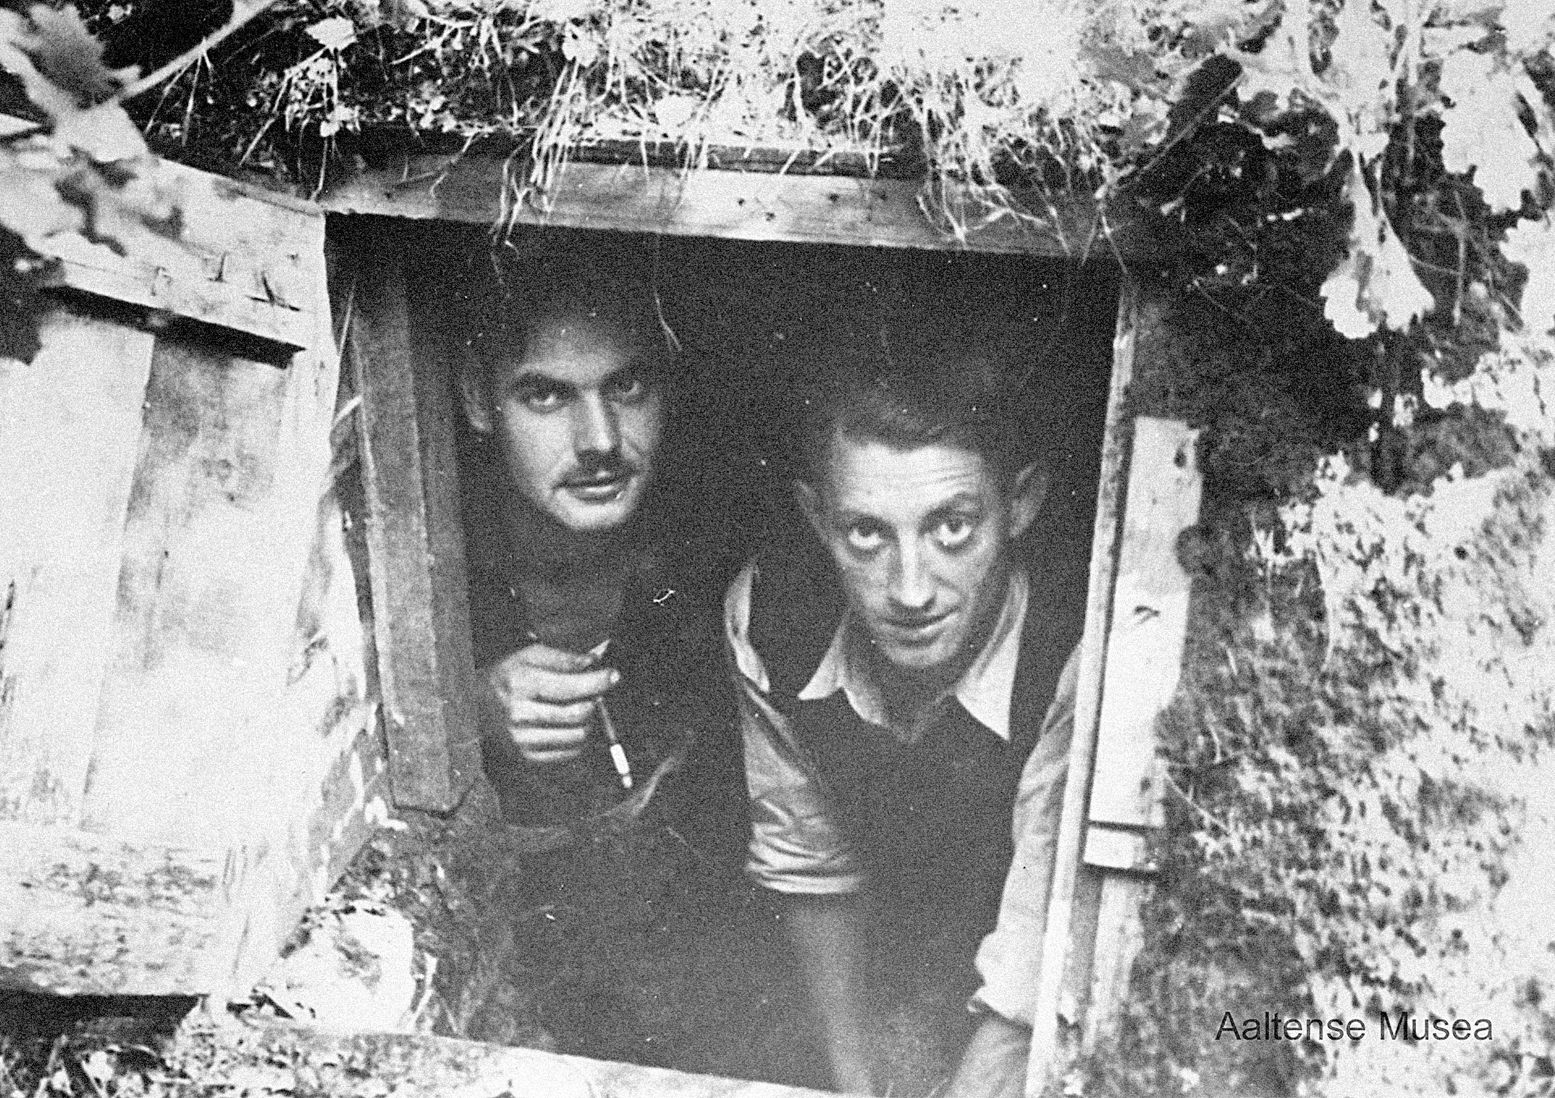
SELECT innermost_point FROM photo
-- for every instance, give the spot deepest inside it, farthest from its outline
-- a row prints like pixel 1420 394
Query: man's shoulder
pixel 783 608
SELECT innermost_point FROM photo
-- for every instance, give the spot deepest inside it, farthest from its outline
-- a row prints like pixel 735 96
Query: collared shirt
pixel 795 844
pixel 984 688
pixel 797 848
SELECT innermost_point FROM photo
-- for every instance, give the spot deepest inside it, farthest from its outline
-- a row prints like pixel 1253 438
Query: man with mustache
pixel 587 645
pixel 893 686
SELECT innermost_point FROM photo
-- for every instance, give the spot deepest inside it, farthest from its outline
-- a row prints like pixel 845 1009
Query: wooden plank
pixel 415 542
pixel 1119 936
pixel 331 783
pixel 273 1054
pixel 1149 621
pixel 82 913
pixel 1052 976
pixel 87 914
pixel 1144 659
pixel 801 209
pixel 69 422
pixel 203 617
pixel 1117 848
pixel 242 259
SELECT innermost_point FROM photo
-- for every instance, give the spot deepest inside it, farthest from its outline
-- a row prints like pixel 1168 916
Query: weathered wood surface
pixel 242 259
pixel 738 205
pixel 1144 662
pixel 203 616
pixel 1057 949
pixel 415 537
pixel 187 754
pixel 83 913
pixel 69 424
pixel 1149 624
pixel 278 1054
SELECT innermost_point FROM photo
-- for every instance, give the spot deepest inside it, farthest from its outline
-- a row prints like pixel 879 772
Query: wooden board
pixel 69 424
pixel 761 205
pixel 1149 621
pixel 87 914
pixel 1054 974
pixel 242 259
pixel 415 539
pixel 187 749
pixel 207 597
pixel 273 1055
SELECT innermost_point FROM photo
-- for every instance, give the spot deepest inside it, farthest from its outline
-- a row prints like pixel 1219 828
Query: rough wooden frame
pixel 415 534
pixel 737 205
pixel 1058 955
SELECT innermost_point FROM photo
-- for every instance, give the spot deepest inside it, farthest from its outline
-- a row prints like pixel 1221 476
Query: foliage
pixel 73 167
pixel 1251 125
pixel 1361 817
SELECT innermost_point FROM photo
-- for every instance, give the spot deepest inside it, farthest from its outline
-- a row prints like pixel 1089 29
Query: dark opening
pixel 635 936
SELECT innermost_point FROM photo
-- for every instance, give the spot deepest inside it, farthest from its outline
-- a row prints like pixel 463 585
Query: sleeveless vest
pixel 930 819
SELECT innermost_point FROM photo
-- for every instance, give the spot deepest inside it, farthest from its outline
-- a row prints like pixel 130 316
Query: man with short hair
pixel 605 719
pixel 892 686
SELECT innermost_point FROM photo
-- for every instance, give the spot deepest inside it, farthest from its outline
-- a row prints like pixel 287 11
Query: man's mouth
pixel 916 630
pixel 600 486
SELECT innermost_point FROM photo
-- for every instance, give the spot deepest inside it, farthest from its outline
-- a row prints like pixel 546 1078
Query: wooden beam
pixel 415 538
pixel 759 205
pixel 1149 621
pixel 276 1054
pixel 1144 662
pixel 242 259
pixel 89 914
pixel 1068 867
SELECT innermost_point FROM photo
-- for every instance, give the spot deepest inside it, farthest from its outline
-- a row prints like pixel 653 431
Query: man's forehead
pixel 579 347
pixel 874 477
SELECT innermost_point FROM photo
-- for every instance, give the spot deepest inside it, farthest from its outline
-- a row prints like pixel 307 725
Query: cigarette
pixel 617 752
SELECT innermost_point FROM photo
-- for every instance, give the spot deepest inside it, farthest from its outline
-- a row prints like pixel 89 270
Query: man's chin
pixel 918 659
pixel 595 516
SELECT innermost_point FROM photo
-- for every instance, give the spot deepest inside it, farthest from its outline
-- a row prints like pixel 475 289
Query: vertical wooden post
pixel 1071 828
pixel 421 614
pixel 1144 660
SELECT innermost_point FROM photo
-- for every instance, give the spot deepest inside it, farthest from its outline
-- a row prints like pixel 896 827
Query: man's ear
pixel 474 397
pixel 809 501
pixel 1031 485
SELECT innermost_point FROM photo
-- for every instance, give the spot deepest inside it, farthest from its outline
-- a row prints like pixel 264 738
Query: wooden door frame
pixel 1088 903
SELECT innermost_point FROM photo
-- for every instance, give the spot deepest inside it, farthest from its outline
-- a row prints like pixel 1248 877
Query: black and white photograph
pixel 764 548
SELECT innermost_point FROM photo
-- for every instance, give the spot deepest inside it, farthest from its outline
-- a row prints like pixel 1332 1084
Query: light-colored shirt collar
pixel 984 688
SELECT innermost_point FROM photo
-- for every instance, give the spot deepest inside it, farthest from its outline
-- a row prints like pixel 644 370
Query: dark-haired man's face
pixel 921 539
pixel 577 414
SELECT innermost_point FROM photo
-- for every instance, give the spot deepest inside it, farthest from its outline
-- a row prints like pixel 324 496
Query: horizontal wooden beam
pixel 740 205
pixel 277 1053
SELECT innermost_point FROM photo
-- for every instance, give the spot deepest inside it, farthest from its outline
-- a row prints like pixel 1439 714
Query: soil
pixel 622 943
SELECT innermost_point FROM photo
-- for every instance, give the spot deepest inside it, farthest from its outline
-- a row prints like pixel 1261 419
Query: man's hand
pixel 543 698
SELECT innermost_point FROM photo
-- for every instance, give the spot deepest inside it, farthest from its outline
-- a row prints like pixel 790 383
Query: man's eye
pixel 542 398
pixel 865 539
pixel 627 390
pixel 953 533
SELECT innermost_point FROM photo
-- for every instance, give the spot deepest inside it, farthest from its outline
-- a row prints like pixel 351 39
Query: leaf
pixel 1341 293
pixel 333 34
pixel 27 49
pixel 1482 134
pixel 66 53
pixel 1375 284
pixel 1532 243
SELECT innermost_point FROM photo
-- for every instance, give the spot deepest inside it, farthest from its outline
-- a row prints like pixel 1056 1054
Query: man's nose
pixel 912 587
pixel 594 428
